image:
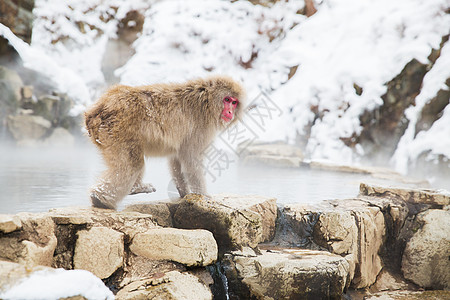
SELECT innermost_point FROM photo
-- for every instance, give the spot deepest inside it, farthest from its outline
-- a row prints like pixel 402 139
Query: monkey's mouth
pixel 226 118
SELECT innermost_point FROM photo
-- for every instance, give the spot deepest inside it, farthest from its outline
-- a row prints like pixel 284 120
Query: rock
pixel 127 222
pixel 161 211
pixel 10 86
pixel 375 172
pixel 410 295
pixel 171 285
pixel 25 127
pixel 387 281
pixel 359 232
pixel 99 250
pixel 33 244
pixel 351 228
pixel 27 91
pixel 287 274
pixel 273 149
pixel 320 165
pixel 434 108
pixel 273 161
pixel 274 154
pixel 119 50
pixel 383 127
pixel 54 108
pixel 18 16
pixel 426 256
pixel 424 196
pixel 9 223
pixel 60 137
pixel 188 247
pixel 139 267
pixel 235 221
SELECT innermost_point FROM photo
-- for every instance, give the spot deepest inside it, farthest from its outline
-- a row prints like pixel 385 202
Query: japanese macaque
pixel 128 124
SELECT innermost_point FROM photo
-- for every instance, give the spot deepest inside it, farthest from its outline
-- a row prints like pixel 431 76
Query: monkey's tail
pixel 93 123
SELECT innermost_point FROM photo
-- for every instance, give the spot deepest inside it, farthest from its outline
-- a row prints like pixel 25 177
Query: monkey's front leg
pixel 194 172
pixel 140 187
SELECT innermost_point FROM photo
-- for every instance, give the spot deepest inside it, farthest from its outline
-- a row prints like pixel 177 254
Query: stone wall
pixel 241 246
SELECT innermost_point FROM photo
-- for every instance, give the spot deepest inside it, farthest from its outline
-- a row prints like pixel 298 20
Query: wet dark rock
pixel 383 127
pixel 10 85
pixel 235 221
pixel 29 120
pixel 433 109
pixel 18 16
pixel 26 127
pixel 119 50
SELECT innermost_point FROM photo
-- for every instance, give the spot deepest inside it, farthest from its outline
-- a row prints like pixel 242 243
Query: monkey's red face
pixel 229 106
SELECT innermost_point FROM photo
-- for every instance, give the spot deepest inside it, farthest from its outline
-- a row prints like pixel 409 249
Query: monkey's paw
pixel 142 188
pixel 97 202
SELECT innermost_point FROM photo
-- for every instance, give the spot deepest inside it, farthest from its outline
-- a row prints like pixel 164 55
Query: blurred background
pixel 357 82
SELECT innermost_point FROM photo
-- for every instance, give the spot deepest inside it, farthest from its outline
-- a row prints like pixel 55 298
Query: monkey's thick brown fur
pixel 176 120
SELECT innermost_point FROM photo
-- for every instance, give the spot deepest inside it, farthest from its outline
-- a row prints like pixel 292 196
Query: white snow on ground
pixel 58 283
pixel 346 42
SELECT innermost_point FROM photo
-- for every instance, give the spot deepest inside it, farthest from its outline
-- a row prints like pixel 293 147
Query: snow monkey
pixel 128 124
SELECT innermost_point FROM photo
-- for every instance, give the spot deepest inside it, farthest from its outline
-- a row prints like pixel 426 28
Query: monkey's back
pixel 127 114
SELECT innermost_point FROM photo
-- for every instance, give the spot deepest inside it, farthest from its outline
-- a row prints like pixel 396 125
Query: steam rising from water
pixel 34 179
pixel 38 179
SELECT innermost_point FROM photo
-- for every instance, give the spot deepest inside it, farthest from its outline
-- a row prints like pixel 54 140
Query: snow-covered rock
pixel 18 282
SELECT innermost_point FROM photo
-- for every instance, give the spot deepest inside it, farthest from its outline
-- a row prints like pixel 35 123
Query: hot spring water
pixel 35 180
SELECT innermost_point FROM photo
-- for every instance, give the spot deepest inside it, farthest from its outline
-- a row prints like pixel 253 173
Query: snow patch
pixel 58 283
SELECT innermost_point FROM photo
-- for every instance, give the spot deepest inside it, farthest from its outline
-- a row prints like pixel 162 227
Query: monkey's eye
pixel 234 102
pixel 227 99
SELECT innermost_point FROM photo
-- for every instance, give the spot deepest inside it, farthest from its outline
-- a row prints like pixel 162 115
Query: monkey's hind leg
pixel 178 176
pixel 124 167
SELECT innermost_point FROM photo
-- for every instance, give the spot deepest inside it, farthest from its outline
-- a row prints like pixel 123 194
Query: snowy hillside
pixel 310 67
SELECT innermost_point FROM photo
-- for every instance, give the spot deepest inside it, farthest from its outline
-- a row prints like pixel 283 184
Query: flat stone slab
pixel 410 295
pixel 424 196
pixel 189 247
pixel 273 161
